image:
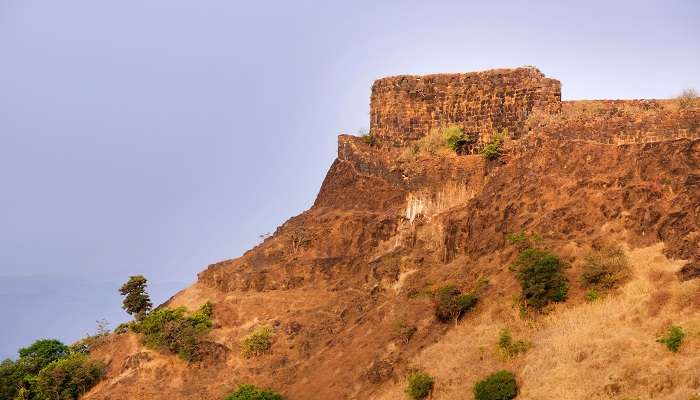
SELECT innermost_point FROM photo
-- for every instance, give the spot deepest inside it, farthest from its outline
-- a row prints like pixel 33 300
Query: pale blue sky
pixel 156 137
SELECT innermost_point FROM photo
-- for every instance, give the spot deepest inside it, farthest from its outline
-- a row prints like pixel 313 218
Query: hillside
pixel 346 286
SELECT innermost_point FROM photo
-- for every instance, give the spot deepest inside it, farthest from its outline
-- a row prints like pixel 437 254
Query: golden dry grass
pixel 606 349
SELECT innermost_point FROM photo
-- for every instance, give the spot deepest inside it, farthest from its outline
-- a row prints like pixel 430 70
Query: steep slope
pixel 335 281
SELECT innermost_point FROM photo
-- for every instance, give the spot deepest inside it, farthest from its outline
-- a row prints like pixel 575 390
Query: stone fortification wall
pixel 406 107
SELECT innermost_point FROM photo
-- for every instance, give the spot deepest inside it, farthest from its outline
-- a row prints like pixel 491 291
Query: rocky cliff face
pixel 334 281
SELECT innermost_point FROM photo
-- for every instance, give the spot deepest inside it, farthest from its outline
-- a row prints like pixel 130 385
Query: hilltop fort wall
pixel 406 107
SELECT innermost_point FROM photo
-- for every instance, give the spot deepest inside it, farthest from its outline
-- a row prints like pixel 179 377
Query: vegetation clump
pixel 257 342
pixel 48 369
pixel 541 277
pixel 523 240
pixel 509 347
pixel 89 342
pixel 591 295
pixel 402 331
pixel 173 330
pixel 136 302
pixel 420 385
pixel 455 138
pixel 444 138
pixel 673 339
pixel 605 268
pixel 450 303
pixel 251 392
pixel 687 98
pixel 69 377
pixel 368 138
pixel 500 385
pixel 493 149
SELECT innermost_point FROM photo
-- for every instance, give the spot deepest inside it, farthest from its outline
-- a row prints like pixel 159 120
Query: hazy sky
pixel 156 137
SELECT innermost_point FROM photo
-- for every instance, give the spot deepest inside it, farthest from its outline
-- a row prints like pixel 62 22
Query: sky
pixel 157 137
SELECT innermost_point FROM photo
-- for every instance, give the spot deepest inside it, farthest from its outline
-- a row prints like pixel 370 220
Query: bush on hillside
pixel 251 392
pixel 591 295
pixel 541 277
pixel 451 304
pixel 420 385
pixel 68 378
pixel 257 342
pixel 493 149
pixel 369 139
pixel 438 139
pixel 673 339
pixel 523 240
pixel 500 385
pixel 605 268
pixel 455 138
pixel 508 346
pixel 402 331
pixel 171 329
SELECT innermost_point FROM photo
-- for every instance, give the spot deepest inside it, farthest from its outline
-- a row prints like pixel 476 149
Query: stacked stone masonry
pixel 405 108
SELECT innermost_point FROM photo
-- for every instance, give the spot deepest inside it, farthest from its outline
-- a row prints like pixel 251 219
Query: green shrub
pixel 171 329
pixel 88 343
pixel 605 268
pixel 402 331
pixel 673 339
pixel 369 139
pixel 122 328
pixel 541 276
pixel 68 378
pixel 420 385
pixel 494 147
pixel 250 392
pixel 257 342
pixel 523 240
pixel 591 295
pixel 508 347
pixel 449 137
pixel 450 304
pixel 454 137
pixel 500 385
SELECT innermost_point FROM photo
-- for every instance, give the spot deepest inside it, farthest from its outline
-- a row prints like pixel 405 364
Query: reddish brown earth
pixel 333 280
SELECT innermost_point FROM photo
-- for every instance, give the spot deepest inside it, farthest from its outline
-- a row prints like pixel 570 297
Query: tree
pixel 11 379
pixel 137 301
pixel 541 277
pixel 40 354
pixel 69 377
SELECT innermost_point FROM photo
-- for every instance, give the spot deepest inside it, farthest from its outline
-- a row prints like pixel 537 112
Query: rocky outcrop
pixel 334 280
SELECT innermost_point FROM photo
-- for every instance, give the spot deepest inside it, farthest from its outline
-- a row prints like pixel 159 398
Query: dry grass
pixel 436 141
pixel 601 350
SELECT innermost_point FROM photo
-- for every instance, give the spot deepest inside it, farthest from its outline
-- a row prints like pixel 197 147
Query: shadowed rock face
pixel 334 280
pixel 689 271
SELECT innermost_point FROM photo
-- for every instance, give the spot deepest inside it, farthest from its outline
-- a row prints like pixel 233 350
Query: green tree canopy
pixel 69 377
pixel 40 354
pixel 137 302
